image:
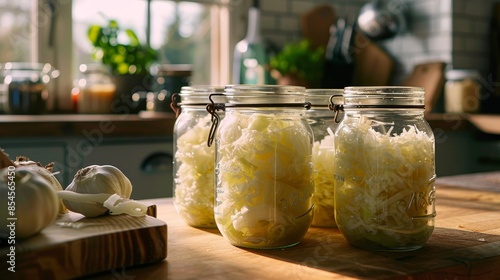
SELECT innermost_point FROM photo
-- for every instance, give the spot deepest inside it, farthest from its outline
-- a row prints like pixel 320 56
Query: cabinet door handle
pixel 157 162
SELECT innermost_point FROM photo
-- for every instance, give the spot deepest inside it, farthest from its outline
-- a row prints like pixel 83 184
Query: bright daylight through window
pixel 181 32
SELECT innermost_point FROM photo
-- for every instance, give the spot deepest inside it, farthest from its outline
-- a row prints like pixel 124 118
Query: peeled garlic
pixel 116 204
pixel 97 179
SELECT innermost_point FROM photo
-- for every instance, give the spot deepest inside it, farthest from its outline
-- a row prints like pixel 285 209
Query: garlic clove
pixel 97 179
pixel 119 205
pixel 113 202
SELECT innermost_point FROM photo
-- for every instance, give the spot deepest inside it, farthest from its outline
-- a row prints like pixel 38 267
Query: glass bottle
pixel 250 54
pixel 323 125
pixel 384 169
pixel 96 90
pixel 264 177
pixel 193 158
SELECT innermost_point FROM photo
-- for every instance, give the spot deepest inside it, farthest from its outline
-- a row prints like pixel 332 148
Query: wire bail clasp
pixel 335 107
pixel 212 109
pixel 174 106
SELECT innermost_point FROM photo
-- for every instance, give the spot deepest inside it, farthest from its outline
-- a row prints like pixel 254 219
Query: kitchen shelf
pixel 480 122
pixel 69 125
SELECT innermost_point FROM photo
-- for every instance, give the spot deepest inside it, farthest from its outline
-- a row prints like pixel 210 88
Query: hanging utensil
pixel 382 19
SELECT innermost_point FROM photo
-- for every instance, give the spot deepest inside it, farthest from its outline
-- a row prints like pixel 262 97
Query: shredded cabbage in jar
pixel 194 181
pixel 384 185
pixel 323 199
pixel 264 180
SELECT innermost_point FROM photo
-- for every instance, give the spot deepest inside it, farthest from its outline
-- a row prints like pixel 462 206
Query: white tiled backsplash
pixel 453 31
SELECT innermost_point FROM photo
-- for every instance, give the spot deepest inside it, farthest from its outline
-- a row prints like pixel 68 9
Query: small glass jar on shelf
pixel 94 92
pixel 462 91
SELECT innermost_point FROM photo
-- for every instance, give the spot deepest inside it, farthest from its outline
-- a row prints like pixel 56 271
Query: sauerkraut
pixel 323 199
pixel 194 180
pixel 384 185
pixel 264 179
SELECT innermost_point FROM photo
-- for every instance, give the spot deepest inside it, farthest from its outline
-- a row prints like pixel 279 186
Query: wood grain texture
pixel 464 245
pixel 105 243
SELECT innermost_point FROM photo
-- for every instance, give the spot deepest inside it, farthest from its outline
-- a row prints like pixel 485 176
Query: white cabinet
pixel 41 150
pixel 146 161
pixel 148 164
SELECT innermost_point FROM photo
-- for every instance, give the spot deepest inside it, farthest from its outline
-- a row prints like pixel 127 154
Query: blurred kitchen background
pixel 430 43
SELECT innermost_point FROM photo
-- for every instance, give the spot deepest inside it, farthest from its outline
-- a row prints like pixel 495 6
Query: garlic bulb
pixel 97 179
pixel 23 162
pixel 31 200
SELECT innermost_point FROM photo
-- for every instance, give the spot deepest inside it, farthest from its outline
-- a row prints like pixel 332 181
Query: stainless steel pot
pixel 382 19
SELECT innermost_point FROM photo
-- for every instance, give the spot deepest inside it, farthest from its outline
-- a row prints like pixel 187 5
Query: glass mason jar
pixel 263 174
pixel 323 125
pixel 27 86
pixel 462 91
pixel 96 90
pixel 193 159
pixel 384 169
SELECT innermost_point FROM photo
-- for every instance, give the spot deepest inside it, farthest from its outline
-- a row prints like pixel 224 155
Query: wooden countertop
pixel 142 124
pixel 465 245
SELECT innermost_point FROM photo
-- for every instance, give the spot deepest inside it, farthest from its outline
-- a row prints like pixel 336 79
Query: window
pixel 15 34
pixel 193 32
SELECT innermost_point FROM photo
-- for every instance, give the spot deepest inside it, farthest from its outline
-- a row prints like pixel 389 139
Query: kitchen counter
pixel 465 245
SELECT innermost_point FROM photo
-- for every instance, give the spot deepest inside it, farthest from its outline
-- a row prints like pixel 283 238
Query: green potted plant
pixel 298 64
pixel 128 61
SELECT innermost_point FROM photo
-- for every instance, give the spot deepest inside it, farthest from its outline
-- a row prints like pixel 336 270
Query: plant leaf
pixel 95 34
pixel 134 40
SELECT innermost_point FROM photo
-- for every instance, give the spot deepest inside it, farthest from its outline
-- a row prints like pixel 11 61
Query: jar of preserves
pixel 96 90
pixel 193 159
pixel 384 168
pixel 27 87
pixel 462 91
pixel 323 125
pixel 263 174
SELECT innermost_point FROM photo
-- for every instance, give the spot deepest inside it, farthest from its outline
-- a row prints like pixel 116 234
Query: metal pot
pixel 382 19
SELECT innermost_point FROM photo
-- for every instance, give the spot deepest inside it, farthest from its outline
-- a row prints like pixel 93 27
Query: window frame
pixel 59 53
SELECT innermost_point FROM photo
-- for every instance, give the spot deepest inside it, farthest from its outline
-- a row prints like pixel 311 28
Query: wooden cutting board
pixel 106 243
pixel 373 66
pixel 430 76
pixel 316 25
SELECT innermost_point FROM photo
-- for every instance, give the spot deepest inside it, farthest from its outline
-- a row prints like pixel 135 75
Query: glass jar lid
pixel 461 74
pixel 199 94
pixel 264 94
pixel 384 97
pixel 33 71
pixel 321 97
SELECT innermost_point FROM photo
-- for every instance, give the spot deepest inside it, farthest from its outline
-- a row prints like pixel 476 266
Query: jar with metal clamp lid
pixel 264 176
pixel 384 168
pixel 193 158
pixel 323 125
